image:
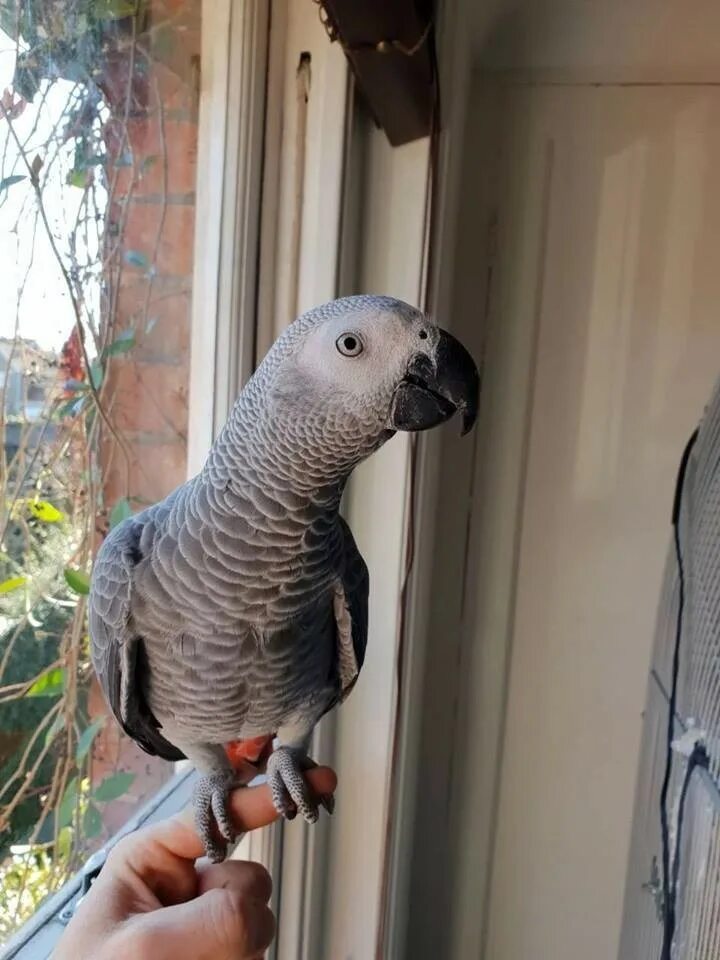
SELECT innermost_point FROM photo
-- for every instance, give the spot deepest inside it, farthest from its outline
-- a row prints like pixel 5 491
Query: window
pixel 98 149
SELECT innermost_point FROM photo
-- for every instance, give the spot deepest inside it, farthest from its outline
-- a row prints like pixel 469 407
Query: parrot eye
pixel 349 344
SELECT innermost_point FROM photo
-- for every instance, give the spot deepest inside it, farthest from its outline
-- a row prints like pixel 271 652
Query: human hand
pixel 152 901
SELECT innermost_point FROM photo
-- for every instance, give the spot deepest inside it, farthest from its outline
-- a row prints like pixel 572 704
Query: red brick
pixel 149 397
pixel 175 86
pixel 161 325
pixel 177 143
pixel 157 466
pixel 175 226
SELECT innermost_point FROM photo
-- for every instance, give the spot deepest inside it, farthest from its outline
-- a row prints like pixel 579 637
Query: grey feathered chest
pixel 232 601
pixel 238 591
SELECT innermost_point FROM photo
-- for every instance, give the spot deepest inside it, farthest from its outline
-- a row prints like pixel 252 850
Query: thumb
pixel 222 924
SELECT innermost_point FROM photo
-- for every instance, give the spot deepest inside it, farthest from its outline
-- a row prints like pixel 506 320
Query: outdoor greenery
pixel 80 68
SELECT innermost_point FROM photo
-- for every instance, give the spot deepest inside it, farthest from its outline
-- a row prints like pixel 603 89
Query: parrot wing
pixel 117 651
pixel 351 613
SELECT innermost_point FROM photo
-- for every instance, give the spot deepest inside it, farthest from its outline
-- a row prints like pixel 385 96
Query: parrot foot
pixel 212 815
pixel 289 789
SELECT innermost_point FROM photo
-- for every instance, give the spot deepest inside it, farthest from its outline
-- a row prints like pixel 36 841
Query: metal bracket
pixel 90 873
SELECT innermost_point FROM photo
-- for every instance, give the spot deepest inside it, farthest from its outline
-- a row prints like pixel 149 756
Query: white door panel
pixel 621 286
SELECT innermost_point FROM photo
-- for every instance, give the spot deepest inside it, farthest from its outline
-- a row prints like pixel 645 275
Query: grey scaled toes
pixel 290 791
pixel 212 815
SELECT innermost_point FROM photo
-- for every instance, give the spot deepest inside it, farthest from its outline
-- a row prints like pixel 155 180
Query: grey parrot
pixel 235 611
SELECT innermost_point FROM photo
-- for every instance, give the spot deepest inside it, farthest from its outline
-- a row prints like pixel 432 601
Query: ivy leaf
pixel 55 728
pixel 77 178
pixel 114 9
pixel 121 511
pixel 136 259
pixel 7 182
pixel 123 343
pixel 92 822
pixel 68 804
pixel 96 374
pixel 14 583
pixel 113 787
pixel 64 844
pixel 87 737
pixel 45 511
pixel 48 684
pixel 77 580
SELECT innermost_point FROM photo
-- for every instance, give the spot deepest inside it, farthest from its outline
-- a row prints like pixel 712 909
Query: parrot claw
pixel 212 816
pixel 289 789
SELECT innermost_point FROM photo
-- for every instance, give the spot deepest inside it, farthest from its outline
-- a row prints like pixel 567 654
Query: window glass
pixel 98 143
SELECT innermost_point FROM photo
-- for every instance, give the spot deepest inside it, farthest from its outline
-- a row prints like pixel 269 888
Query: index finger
pixel 251 808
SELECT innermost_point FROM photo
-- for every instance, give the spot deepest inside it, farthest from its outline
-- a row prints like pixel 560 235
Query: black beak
pixel 431 392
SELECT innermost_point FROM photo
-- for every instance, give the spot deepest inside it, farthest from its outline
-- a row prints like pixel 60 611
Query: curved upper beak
pixel 436 387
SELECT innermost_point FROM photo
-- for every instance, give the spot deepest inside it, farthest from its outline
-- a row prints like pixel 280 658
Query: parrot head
pixel 378 362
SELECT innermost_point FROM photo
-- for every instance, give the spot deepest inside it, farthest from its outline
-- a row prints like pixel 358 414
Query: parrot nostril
pixel 423 334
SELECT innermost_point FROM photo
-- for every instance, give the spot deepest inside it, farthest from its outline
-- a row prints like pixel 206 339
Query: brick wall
pixel 149 239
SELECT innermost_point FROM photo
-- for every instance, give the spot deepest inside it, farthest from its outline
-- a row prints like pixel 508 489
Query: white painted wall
pixel 665 38
pixel 628 347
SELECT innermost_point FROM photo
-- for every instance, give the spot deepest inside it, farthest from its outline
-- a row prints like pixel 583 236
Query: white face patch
pixel 363 353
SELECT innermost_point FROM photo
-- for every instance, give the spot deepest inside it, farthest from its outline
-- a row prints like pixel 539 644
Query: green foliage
pixel 92 822
pixel 48 684
pixel 114 9
pixel 77 580
pixel 66 39
pixel 86 739
pixel 7 182
pixel 137 259
pixel 96 374
pixel 47 512
pixel 24 881
pixel 77 178
pixel 33 651
pixel 11 584
pixel 113 787
pixel 123 343
pixel 121 511
pixel 66 810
